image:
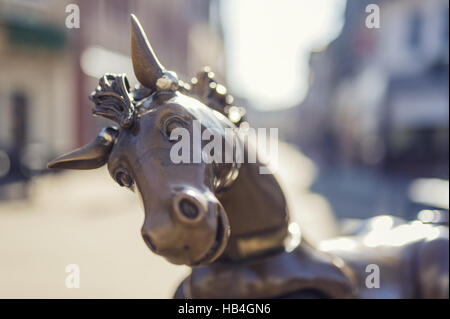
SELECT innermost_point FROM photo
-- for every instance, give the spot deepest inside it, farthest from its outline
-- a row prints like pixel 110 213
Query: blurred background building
pixel 37 86
pixel 368 108
pixel 377 108
pixel 381 95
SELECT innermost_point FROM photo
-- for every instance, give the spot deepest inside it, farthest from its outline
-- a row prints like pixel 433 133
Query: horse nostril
pixel 149 242
pixel 189 206
pixel 188 209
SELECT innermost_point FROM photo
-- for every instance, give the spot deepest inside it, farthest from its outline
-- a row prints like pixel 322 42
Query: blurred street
pixel 62 224
pixel 364 192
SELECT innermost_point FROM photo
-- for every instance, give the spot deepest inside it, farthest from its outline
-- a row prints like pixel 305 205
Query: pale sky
pixel 268 44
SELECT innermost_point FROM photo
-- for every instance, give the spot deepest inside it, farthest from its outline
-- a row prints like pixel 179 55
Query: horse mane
pixel 114 99
pixel 205 88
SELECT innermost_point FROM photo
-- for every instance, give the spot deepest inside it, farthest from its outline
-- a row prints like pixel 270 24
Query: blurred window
pixel 445 27
pixel 20 106
pixel 416 24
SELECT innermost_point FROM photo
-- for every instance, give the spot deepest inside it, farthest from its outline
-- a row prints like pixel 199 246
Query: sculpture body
pixel 224 219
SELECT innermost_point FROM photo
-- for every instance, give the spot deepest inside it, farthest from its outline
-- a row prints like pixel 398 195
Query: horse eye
pixel 123 178
pixel 172 124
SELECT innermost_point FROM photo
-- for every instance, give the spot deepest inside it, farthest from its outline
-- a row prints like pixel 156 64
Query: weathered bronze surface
pixel 227 221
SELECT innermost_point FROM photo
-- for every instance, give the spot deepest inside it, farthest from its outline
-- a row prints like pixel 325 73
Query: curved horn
pixel 91 156
pixel 146 66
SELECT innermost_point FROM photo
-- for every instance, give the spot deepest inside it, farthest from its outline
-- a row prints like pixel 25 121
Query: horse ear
pixel 90 156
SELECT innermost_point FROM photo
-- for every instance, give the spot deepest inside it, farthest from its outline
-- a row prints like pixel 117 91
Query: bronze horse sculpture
pixel 227 221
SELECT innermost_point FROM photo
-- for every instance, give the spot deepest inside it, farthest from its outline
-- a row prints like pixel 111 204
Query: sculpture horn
pixel 146 65
pixel 93 155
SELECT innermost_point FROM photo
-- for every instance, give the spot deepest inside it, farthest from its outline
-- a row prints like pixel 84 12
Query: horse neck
pixel 257 211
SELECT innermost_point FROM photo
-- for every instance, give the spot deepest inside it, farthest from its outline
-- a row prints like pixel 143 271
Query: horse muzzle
pixel 193 230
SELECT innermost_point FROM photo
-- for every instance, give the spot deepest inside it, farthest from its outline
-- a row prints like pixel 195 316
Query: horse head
pixel 184 221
